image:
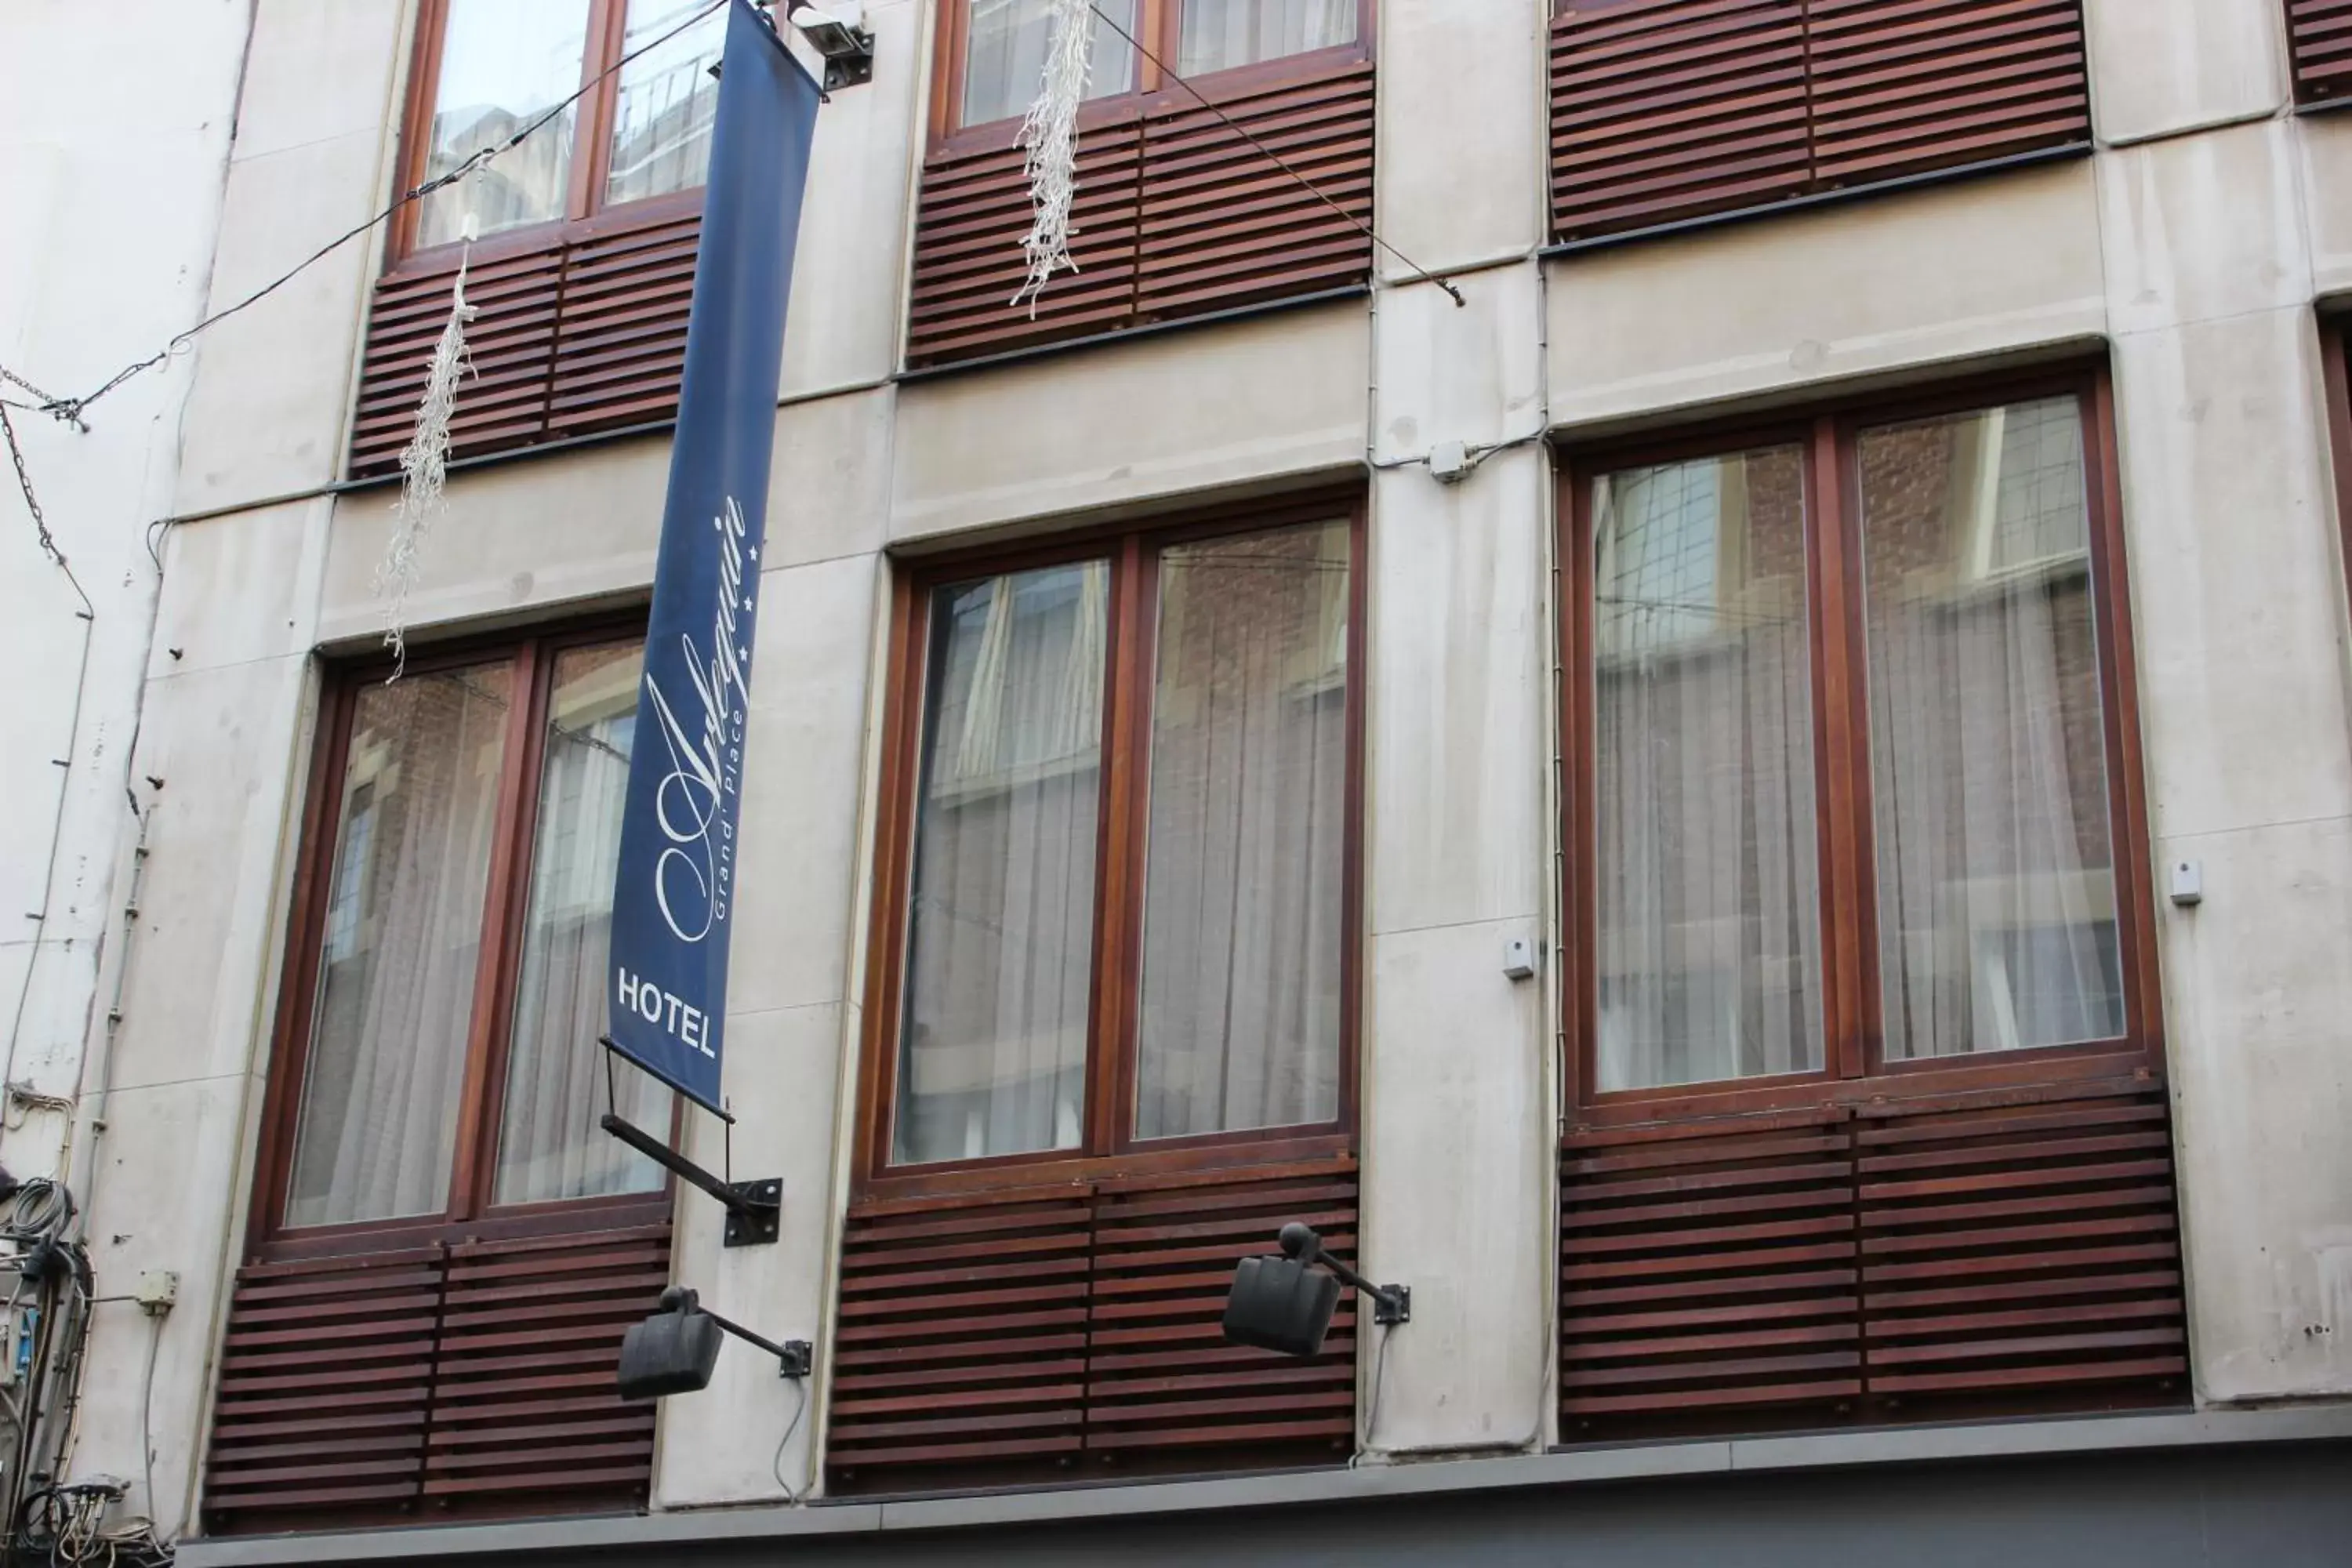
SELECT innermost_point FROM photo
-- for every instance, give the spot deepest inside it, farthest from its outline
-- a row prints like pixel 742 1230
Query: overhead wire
pixel 70 409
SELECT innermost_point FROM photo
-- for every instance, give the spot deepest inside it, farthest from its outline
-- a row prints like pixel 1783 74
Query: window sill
pixel 519 1222
pixel 1209 1161
pixel 725 1532
pixel 531 238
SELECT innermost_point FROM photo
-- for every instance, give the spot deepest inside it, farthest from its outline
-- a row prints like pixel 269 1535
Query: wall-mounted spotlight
pixel 845 43
pixel 1285 1304
pixel 673 1351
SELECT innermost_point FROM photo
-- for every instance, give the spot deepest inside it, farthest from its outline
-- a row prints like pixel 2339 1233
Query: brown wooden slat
pixel 1719 1269
pixel 524 1404
pixel 579 338
pixel 1666 111
pixel 2320 39
pixel 1160 1376
pixel 2019 1252
pixel 1176 215
pixel 325 1384
pixel 962 1334
pixel 476 1375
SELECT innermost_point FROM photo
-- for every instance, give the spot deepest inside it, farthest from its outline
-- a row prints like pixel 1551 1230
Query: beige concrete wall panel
pixel 1889 285
pixel 2200 227
pixel 1458 742
pixel 513 537
pixel 271 400
pixel 2237 601
pixel 316 72
pixel 1456 1195
pixel 1463 129
pixel 719 1447
pixel 2159 67
pixel 1470 372
pixel 849 271
pixel 1230 404
pixel 829 492
pixel 169 1171
pixel 198 996
pixel 2259 992
pixel 240 588
pixel 802 775
pixel 2324 142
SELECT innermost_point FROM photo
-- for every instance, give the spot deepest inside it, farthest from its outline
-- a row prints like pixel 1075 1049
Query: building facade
pixel 1679 666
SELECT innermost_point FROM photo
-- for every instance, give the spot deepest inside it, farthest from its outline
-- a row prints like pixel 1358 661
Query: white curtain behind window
pixel 550 1144
pixel 395 988
pixel 1221 34
pixel 1005 56
pixel 1996 883
pixel 993 1043
pixel 1709 889
pixel 1243 924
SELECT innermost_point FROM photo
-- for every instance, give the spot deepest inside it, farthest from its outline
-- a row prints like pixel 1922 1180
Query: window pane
pixel 1223 33
pixel 1239 1022
pixel 665 101
pixel 395 997
pixel 992 1059
pixel 1709 921
pixel 549 1145
pixel 503 64
pixel 1995 880
pixel 1004 57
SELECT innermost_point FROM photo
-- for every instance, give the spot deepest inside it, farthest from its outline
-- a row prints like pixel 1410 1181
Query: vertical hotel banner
pixel 674 895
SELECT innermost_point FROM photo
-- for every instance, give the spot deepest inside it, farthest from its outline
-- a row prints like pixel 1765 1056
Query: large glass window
pixel 496 66
pixel 1004 44
pixel 1125 907
pixel 1858 747
pixel 446 1057
pixel 1709 932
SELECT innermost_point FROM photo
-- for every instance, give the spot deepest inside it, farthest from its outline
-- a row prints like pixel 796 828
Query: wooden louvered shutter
pixel 2009 1252
pixel 577 339
pixel 1010 1336
pixel 523 1400
pixel 961 1336
pixel 2319 38
pixel 1176 215
pixel 1665 111
pixel 325 1389
pixel 1159 1375
pixel 968 260
pixel 2021 1247
pixel 1709 1268
pixel 1901 88
pixel 1223 225
pixel 469 1378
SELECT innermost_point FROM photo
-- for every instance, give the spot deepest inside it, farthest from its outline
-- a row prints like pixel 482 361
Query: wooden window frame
pixel 1854 1069
pixel 1159 28
pixel 471 1212
pixel 585 215
pixel 1109 1146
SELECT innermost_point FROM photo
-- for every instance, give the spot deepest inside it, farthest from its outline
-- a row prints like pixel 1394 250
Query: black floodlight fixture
pixel 674 1350
pixel 1285 1304
pixel 847 47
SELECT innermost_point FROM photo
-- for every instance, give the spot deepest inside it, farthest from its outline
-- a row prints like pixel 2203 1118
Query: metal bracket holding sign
pixel 755 1209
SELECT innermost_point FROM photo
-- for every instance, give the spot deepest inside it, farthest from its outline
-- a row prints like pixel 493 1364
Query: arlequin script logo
pixel 694 875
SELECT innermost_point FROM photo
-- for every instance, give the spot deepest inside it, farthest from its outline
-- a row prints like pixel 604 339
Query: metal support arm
pixel 754 1209
pixel 1392 1304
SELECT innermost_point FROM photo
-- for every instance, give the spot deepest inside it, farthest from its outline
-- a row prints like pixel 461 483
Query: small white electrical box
pixel 2188 882
pixel 158 1289
pixel 1520 959
pixel 1449 462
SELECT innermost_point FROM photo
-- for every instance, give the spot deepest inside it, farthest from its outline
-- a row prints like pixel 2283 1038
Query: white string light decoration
pixel 1049 136
pixel 424 466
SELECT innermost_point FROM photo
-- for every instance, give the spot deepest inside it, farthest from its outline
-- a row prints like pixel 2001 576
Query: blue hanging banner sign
pixel 674 893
